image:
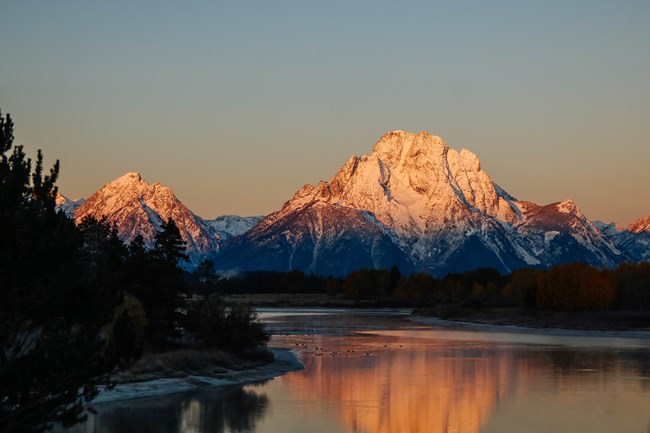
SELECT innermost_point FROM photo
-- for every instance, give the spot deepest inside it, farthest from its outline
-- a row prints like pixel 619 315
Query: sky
pixel 236 105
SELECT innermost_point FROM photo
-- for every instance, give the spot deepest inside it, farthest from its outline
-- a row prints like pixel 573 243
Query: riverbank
pixel 614 321
pixel 298 300
pixel 215 375
pixel 504 316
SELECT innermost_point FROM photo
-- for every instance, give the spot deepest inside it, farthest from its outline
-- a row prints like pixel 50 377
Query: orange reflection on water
pixel 450 390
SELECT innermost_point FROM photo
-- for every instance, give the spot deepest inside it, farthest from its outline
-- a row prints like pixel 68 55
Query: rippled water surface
pixel 378 372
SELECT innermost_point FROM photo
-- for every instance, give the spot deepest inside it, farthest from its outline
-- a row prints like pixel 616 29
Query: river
pixel 381 372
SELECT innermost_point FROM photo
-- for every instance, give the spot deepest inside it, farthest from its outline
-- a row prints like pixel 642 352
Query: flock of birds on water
pixel 309 343
pixel 320 351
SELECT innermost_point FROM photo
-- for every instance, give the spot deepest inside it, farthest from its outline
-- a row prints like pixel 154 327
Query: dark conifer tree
pixel 170 246
pixel 138 270
pixel 204 278
pixel 164 299
pixel 54 326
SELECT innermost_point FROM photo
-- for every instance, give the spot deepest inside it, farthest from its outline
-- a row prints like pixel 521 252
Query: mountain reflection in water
pixel 408 391
pixel 459 388
pixel 377 374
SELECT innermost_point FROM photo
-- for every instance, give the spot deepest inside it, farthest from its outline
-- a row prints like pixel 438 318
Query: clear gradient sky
pixel 236 105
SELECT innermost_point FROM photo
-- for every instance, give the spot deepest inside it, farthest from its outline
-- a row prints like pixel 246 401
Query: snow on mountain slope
pixel 635 239
pixel 437 207
pixel 227 226
pixel 139 208
pixel 413 201
pixel 560 233
pixel 318 237
pixel 641 225
pixel 412 183
pixel 66 205
pixel 609 229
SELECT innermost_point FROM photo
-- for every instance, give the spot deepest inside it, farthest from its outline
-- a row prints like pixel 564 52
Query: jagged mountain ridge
pixel 436 210
pixel 66 205
pixel 228 226
pixel 634 240
pixel 313 238
pixel 641 225
pixel 413 202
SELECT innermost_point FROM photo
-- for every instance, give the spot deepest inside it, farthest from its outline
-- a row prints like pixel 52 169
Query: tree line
pixel 78 305
pixel 567 287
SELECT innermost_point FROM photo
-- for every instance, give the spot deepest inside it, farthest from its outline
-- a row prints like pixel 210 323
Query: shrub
pixel 237 329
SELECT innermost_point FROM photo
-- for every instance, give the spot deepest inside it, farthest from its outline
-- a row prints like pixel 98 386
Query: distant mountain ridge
pixel 228 226
pixel 413 201
pixel 634 239
pixel 66 205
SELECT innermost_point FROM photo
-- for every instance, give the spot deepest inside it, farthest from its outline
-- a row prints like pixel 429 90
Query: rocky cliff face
pixel 415 201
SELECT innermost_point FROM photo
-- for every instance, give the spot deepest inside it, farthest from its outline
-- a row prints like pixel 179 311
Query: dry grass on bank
pixel 186 362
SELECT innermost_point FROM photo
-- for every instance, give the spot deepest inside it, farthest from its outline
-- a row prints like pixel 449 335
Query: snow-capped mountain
pixel 139 208
pixel 640 226
pixel 227 226
pixel 413 201
pixel 635 239
pixel 560 233
pixel 67 206
pixel 330 240
pixel 609 229
pixel 417 203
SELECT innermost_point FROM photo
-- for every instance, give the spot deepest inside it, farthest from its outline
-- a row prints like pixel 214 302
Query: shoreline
pixel 571 324
pixel 457 324
pixel 604 321
pixel 285 362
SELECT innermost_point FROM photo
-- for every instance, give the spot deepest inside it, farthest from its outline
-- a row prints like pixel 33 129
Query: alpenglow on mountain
pixel 139 208
pixel 422 205
pixel 413 202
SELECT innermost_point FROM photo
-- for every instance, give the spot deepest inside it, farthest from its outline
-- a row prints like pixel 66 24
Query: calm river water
pixel 378 372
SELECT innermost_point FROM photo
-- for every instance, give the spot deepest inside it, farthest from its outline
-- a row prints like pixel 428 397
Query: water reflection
pixel 231 410
pixel 401 384
pixel 406 390
pixel 366 373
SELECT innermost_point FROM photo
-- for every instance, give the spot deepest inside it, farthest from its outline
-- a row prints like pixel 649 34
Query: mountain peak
pixel 131 177
pixel 399 148
pixel 139 208
pixel 641 225
pixel 568 206
pixel 60 199
pixel 416 202
pixel 66 205
pixel 470 160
